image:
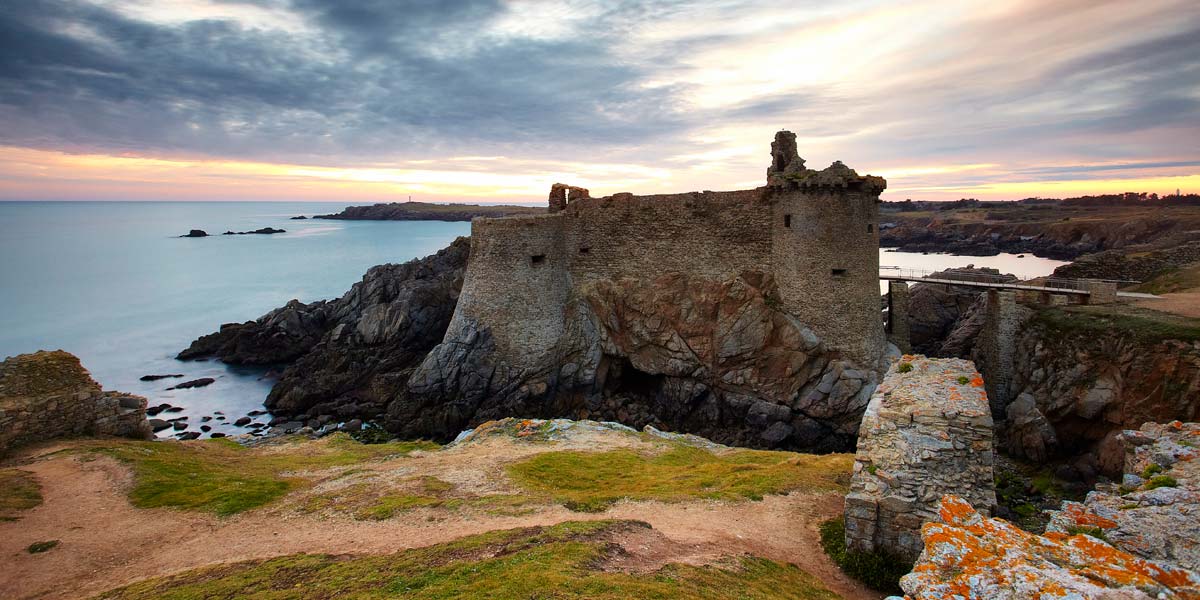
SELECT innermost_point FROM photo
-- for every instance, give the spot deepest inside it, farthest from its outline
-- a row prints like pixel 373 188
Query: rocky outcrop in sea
pixel 347 357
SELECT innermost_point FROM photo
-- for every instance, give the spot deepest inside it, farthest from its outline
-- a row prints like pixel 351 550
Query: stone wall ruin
pixel 927 432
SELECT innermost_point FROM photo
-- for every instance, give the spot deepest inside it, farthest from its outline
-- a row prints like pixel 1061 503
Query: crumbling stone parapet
pixel 562 194
pixel 926 432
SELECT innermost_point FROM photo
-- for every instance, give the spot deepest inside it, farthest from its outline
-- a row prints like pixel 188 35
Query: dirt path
pixel 106 542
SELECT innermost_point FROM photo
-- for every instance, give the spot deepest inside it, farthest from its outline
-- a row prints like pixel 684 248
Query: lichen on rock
pixel 970 556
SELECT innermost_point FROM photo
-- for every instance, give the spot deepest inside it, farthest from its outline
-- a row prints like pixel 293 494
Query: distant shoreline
pixel 424 211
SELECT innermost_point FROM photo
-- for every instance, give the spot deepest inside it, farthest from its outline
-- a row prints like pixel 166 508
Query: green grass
pixel 1142 324
pixel 591 481
pixel 1151 470
pixel 1095 532
pixel 40 547
pixel 223 477
pixel 19 491
pixel 563 561
pixel 1159 481
pixel 904 367
pixel 878 570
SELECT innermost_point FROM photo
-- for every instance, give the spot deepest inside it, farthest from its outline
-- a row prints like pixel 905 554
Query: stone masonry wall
pixel 49 395
pixel 926 432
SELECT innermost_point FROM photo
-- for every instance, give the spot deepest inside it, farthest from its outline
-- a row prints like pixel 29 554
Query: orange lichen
pixel 977 382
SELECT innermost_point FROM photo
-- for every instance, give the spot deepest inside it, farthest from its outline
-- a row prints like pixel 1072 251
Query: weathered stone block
pixel 927 432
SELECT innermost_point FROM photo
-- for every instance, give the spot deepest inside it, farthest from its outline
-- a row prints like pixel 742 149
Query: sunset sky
pixel 494 100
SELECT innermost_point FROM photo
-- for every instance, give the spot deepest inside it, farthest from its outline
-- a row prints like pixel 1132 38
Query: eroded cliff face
pixel 1074 388
pixel 715 358
pixel 348 356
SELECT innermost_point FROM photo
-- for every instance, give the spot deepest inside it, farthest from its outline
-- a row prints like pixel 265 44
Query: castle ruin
pixel 750 317
pixel 815 231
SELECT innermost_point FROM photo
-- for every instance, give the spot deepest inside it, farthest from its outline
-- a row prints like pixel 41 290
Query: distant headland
pixel 426 211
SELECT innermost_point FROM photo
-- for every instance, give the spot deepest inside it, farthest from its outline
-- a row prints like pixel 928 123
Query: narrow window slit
pixel 838 272
pixel 787 220
pixel 538 259
pixel 870 228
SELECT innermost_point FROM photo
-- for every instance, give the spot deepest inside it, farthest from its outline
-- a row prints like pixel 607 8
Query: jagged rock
pixel 195 233
pixel 1155 523
pixel 1089 384
pixel 195 383
pixel 677 352
pixel 157 377
pixel 353 351
pixel 969 556
pixel 48 395
pixel 945 320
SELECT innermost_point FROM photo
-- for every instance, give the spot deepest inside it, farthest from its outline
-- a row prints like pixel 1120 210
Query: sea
pixel 116 285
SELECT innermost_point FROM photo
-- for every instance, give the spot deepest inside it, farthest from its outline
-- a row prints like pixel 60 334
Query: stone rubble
pixel 48 395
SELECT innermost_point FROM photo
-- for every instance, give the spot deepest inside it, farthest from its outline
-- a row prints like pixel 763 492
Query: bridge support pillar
pixel 897 323
pixel 997 345
pixel 1102 292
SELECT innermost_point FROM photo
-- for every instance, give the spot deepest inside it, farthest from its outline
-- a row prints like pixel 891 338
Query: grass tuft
pixel 592 481
pixel 19 491
pixel 1159 481
pixel 878 570
pixel 563 561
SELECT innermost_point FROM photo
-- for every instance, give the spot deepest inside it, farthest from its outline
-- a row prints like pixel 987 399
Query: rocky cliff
pixel 1083 374
pixel 1049 231
pixel 346 357
pixel 716 358
pixel 49 395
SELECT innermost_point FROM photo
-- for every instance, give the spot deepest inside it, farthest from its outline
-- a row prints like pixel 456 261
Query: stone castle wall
pixel 49 395
pixel 816 232
pixel 927 432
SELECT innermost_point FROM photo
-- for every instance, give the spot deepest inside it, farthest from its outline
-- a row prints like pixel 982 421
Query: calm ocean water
pixel 111 283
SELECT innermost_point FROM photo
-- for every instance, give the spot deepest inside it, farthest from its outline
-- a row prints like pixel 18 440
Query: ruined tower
pixel 825 249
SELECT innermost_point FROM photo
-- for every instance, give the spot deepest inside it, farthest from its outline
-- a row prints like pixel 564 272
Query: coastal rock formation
pixel 926 432
pixel 1079 378
pixel 687 311
pixel 943 320
pixel 682 353
pixel 690 311
pixel 349 355
pixel 1123 265
pixel 1152 515
pixel 970 556
pixel 1057 230
pixel 424 211
pixel 48 395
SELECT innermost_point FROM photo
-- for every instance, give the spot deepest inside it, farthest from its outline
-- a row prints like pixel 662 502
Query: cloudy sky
pixel 481 100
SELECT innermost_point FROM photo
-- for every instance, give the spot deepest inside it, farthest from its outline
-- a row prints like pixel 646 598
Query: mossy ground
pixel 878 570
pixel 591 481
pixel 1145 325
pixel 562 561
pixel 19 491
pixel 223 477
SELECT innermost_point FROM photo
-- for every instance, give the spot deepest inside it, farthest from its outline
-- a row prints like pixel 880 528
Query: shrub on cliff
pixel 878 570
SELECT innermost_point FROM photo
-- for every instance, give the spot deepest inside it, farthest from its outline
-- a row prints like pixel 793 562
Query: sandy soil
pixel 1180 303
pixel 106 542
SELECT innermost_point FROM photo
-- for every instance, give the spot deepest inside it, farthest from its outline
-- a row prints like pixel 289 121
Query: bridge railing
pixel 909 274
